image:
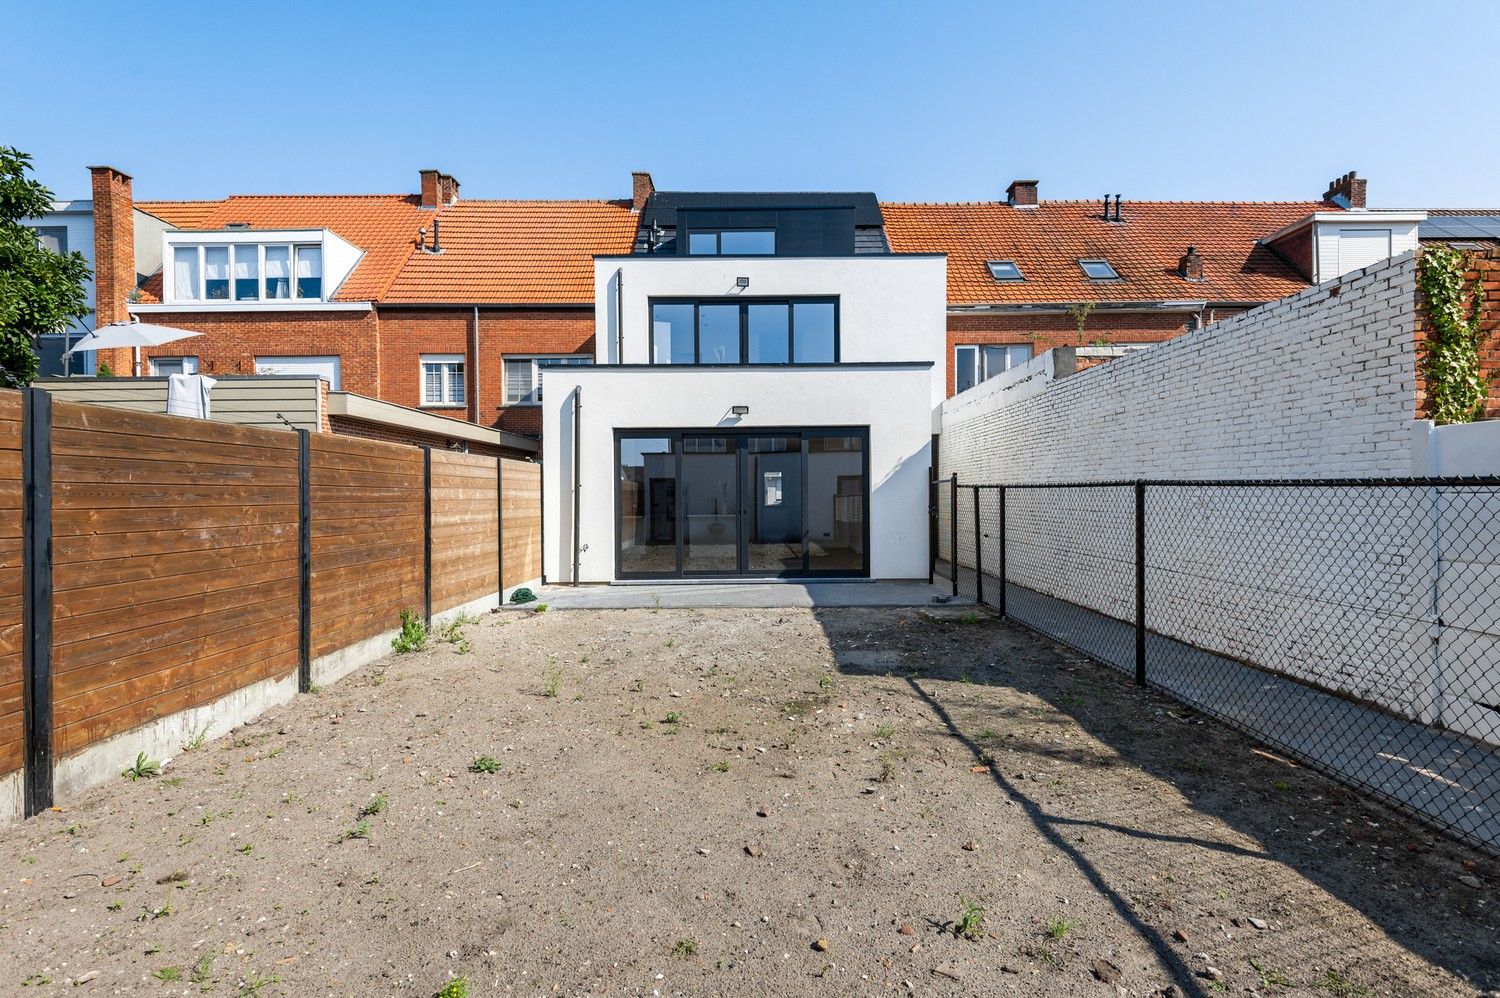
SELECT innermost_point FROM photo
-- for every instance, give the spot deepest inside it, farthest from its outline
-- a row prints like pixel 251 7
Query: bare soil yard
pixel 739 802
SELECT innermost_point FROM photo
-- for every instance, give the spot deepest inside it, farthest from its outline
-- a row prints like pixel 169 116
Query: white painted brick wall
pixel 1333 586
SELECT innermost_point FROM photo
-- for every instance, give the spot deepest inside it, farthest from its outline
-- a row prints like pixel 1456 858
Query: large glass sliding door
pixel 772 502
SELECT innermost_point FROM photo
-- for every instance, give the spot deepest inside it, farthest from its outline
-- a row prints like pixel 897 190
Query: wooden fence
pixel 150 565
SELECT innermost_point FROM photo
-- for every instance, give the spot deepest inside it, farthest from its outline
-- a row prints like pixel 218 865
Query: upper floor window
pixel 980 362
pixel 247 272
pixel 749 331
pixel 732 242
pixel 442 379
pixel 523 377
pixel 163 366
pixel 53 237
pixel 1005 270
pixel 1098 270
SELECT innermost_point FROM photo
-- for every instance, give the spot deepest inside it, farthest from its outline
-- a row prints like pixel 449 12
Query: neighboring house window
pixel 980 362
pixel 247 272
pixel 53 237
pixel 1005 270
pixel 327 368
pixel 523 381
pixel 163 366
pixel 1098 270
pixel 745 332
pixel 442 379
pixel 732 242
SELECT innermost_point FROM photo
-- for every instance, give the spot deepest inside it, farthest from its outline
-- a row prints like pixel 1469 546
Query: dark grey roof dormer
pixel 820 223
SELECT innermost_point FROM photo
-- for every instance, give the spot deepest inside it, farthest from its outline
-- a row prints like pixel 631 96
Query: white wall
pixel 891 307
pixel 1340 587
pixel 1339 248
pixel 893 401
pixel 1319 384
pixel 1463 449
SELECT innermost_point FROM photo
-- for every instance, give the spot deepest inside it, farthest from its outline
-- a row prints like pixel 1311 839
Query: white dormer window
pixel 238 268
pixel 258 272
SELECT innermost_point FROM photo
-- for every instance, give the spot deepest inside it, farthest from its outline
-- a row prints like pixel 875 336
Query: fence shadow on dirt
pixel 1239 810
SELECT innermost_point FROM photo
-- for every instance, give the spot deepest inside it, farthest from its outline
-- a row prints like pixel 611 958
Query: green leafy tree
pixel 40 291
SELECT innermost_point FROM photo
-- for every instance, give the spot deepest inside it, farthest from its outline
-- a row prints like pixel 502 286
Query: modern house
pixel 762 399
pixel 1108 276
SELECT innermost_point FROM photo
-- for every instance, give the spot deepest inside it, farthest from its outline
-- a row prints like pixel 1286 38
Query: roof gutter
pixel 1059 308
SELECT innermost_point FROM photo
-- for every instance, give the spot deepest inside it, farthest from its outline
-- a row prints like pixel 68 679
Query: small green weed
pixel 143 768
pixel 1269 976
pixel 552 678
pixel 970 923
pixel 685 948
pixel 196 739
pixel 720 767
pixel 972 617
pixel 202 969
pixel 673 717
pixel 1059 927
pixel 456 988
pixel 167 973
pixel 453 633
pixel 1336 983
pixel 359 831
pixel 373 806
pixel 413 636
pixel 539 608
pixel 825 682
pixel 253 984
pixel 488 765
pixel 884 731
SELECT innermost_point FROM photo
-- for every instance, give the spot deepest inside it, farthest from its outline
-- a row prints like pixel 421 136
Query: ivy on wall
pixel 1456 386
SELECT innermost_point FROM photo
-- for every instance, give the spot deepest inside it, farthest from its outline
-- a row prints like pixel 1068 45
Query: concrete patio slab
pixel 768 594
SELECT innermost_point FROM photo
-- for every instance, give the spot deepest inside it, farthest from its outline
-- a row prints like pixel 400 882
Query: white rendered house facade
pixel 760 406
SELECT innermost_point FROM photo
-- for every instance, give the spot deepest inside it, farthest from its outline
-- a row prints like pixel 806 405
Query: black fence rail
pixel 1353 623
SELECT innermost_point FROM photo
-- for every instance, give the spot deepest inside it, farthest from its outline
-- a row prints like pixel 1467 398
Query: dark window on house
pixel 733 242
pixel 1005 270
pixel 755 331
pixel 1098 270
pixel 978 363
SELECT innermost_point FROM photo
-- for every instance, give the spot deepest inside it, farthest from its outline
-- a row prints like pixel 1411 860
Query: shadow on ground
pixel 1160 810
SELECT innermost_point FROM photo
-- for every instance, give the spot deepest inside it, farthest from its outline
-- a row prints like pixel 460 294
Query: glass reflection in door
pixel 710 505
pixel 648 506
pixel 774 476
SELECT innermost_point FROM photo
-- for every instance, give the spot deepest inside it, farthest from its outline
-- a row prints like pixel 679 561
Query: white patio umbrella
pixel 135 334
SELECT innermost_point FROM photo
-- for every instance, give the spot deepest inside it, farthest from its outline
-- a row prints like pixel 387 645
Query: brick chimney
pixel 641 188
pixel 1347 191
pixel 1190 267
pixel 1021 194
pixel 447 188
pixel 114 244
pixel 431 188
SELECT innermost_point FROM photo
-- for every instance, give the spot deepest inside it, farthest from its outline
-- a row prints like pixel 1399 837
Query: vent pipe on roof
pixel 1117 207
pixel 435 247
pixel 1106 207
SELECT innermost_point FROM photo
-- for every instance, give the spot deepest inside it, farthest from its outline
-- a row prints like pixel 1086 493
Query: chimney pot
pixel 431 188
pixel 641 189
pixel 1190 267
pixel 1347 191
pixel 1022 194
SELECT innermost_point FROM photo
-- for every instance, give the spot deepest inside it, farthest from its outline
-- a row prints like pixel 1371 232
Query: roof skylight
pixel 1005 270
pixel 1098 270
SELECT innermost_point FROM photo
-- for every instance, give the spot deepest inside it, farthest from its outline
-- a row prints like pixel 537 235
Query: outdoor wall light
pixel 742 282
pixel 740 410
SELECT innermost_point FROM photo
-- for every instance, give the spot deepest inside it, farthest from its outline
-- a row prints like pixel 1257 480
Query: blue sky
pixel 916 101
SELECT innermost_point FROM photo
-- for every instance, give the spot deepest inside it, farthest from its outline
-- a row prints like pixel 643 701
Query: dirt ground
pixel 739 802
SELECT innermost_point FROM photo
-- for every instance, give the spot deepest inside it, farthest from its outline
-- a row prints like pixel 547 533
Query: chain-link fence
pixel 1353 624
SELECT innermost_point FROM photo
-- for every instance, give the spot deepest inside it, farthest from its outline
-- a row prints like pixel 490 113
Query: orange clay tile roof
pixel 1047 242
pixel 383 225
pixel 494 252
pixel 516 252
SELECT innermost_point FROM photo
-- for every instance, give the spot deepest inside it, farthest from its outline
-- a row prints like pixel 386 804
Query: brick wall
pixel 525 331
pixel 114 253
pixel 1044 331
pixel 1321 383
pixel 232 340
pixel 1486 270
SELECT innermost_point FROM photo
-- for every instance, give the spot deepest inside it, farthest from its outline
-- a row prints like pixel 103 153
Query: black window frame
pixel 718 234
pixel 740 435
pixel 744 302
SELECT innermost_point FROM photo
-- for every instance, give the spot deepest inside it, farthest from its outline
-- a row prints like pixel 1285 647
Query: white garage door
pixel 326 368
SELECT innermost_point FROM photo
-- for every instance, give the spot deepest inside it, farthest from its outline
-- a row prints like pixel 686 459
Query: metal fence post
pixel 978 553
pixel 304 562
pixel 1002 551
pixel 932 523
pixel 1140 583
pixel 953 529
pixel 36 597
pixel 427 535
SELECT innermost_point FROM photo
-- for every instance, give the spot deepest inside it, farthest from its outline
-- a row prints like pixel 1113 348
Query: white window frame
pixel 534 395
pixel 189 364
pixel 453 378
pixel 980 367
pixel 199 293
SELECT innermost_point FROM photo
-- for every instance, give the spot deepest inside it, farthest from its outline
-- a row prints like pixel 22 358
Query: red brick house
pixel 424 300
pixel 1026 275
